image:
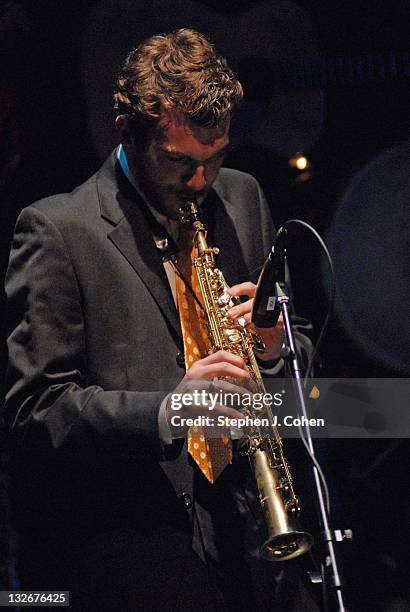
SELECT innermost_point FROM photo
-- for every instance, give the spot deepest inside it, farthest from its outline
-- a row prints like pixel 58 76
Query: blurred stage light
pixel 302 167
pixel 299 161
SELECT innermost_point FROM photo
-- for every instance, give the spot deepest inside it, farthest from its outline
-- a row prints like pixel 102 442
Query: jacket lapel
pixel 221 233
pixel 132 234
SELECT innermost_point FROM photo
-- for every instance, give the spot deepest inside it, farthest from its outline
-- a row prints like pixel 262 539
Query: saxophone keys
pixel 224 299
pixel 257 341
pixel 232 336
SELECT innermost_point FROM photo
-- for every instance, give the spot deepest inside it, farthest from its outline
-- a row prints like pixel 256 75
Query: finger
pixel 247 317
pixel 219 425
pixel 222 356
pixel 218 370
pixel 219 388
pixel 227 386
pixel 240 309
pixel 222 391
pixel 224 419
pixel 247 288
pixel 229 425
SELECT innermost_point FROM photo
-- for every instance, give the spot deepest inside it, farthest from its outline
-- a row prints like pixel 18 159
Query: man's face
pixel 180 162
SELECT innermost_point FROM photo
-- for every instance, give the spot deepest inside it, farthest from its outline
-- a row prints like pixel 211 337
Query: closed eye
pixel 183 159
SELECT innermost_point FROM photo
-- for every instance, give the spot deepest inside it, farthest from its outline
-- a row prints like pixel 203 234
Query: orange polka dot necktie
pixel 211 454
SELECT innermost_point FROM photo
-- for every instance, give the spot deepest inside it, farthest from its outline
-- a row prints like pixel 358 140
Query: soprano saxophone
pixel 280 505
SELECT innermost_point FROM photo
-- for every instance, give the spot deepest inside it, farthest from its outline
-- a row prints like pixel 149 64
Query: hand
pixel 200 390
pixel 272 336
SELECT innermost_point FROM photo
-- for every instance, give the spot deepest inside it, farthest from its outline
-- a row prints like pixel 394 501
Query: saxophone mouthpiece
pixel 189 212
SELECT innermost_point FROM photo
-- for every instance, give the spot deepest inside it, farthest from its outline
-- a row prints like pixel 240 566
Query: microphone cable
pixel 331 300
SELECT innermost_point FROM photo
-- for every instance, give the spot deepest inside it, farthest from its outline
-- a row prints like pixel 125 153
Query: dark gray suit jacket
pixel 93 345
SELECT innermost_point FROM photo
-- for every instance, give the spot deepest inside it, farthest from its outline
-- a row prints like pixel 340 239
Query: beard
pixel 168 199
pixel 167 196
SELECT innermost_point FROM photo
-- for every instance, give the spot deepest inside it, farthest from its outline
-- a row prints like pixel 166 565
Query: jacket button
pixel 180 359
pixel 186 500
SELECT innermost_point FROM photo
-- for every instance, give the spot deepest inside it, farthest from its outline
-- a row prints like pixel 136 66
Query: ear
pixel 122 124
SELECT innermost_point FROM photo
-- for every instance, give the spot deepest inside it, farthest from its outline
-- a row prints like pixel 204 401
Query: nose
pixel 197 181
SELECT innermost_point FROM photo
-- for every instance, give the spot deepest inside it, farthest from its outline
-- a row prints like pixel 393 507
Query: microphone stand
pixel 291 357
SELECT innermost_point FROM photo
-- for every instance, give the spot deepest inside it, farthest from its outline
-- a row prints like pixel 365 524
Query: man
pixel 108 503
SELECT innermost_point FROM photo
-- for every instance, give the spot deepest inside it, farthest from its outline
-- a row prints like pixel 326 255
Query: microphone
pixel 266 308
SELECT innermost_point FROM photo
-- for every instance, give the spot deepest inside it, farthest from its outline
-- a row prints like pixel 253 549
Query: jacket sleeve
pixel 49 404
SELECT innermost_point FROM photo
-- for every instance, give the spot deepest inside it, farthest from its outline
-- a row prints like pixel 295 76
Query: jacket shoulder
pixel 59 205
pixel 231 181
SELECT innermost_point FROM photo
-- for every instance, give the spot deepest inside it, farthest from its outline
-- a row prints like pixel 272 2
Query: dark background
pixel 329 79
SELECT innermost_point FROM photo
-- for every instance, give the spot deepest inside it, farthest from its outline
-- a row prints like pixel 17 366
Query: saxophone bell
pixel 280 507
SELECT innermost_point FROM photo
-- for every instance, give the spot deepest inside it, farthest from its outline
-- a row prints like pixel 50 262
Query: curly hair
pixel 177 71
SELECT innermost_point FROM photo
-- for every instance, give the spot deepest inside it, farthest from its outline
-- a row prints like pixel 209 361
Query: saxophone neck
pixel 191 214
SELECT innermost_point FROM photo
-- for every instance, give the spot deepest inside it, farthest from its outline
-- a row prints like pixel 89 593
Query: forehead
pixel 175 132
